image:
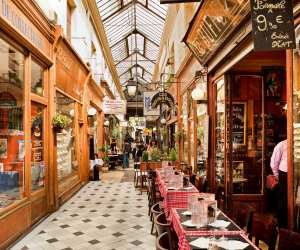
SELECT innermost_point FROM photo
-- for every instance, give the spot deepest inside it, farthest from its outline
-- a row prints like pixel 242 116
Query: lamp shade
pixel 131 87
pixel 106 123
pixel 198 94
pixel 92 111
pixel 163 121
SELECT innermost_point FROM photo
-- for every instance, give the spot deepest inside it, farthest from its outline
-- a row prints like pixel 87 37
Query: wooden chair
pixel 243 215
pixel 143 178
pixel 155 210
pixel 288 240
pixel 264 228
pixel 162 242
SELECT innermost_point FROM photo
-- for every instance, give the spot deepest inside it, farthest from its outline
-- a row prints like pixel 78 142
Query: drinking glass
pixel 192 198
pixel 196 214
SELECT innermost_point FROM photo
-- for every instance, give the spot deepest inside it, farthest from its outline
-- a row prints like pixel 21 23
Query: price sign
pixel 273 24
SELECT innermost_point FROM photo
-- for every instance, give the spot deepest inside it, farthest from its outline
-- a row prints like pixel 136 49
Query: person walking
pixel 279 168
pixel 133 148
pixel 126 152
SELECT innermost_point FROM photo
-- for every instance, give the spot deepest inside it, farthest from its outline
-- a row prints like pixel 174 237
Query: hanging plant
pixel 60 121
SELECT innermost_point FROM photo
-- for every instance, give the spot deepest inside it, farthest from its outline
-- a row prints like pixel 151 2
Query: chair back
pixel 156 210
pixel 162 226
pixel 288 240
pixel 243 215
pixel 264 228
pixel 162 242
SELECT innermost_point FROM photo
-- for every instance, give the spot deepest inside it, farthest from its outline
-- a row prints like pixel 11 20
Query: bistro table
pixel 185 234
pixel 175 198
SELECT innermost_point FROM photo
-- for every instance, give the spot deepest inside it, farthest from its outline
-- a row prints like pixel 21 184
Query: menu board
pixel 239 123
pixel 64 153
pixel 272 25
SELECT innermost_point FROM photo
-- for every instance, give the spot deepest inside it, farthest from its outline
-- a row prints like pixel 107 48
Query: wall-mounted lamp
pixel 72 113
pixel 106 123
pixel 198 94
pixel 92 111
pixel 163 121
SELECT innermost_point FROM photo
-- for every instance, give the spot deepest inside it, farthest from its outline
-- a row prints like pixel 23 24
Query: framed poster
pixel 273 81
pixel 239 123
pixel 3 148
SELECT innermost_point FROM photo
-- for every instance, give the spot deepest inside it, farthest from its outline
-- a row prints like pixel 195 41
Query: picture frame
pixel 239 124
pixel 273 78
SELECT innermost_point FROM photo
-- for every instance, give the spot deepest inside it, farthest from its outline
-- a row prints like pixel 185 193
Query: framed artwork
pixel 273 81
pixel 3 148
pixel 239 123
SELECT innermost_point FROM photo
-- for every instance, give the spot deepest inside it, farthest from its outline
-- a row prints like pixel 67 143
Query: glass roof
pixel 133 29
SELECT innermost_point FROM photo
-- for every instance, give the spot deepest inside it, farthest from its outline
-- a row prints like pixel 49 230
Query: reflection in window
pixel 37 79
pixel 37 147
pixel 66 158
pixel 12 147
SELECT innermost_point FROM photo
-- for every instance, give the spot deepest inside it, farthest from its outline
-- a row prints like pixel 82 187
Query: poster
pixel 3 148
pixel 148 111
pixel 114 107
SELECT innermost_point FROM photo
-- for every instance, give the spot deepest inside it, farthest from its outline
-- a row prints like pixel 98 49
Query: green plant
pixel 173 156
pixel 60 121
pixel 145 156
pixel 115 133
pixel 104 149
pixel 155 155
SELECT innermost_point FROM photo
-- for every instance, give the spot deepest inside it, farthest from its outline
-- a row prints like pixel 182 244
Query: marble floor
pixel 104 215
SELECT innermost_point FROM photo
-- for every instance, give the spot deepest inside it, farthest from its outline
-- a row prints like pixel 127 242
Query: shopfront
pixel 25 48
pixel 70 154
pixel 248 109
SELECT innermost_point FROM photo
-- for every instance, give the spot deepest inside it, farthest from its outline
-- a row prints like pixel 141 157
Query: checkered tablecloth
pixel 173 198
pixel 182 233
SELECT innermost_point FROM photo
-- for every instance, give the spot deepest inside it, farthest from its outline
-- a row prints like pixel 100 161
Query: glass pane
pixel 296 123
pixel 220 132
pixel 247 134
pixel 12 147
pixel 67 163
pixel 37 86
pixel 184 126
pixel 37 147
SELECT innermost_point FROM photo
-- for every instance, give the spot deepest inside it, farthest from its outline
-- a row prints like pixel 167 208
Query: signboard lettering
pixel 114 107
pixel 273 25
pixel 213 24
pixel 162 98
pixel 148 110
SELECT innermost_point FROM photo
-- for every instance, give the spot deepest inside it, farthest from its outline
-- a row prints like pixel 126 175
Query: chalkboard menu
pixel 273 24
pixel 239 123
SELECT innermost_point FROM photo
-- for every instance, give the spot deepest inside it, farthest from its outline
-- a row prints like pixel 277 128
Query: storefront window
pixel 220 132
pixel 185 126
pixel 191 129
pixel 37 78
pixel 37 147
pixel 296 123
pixel 12 147
pixel 67 163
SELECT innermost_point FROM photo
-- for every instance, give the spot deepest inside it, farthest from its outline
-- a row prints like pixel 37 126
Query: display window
pixel 12 147
pixel 67 163
pixel 185 126
pixel 37 71
pixel 296 132
pixel 37 147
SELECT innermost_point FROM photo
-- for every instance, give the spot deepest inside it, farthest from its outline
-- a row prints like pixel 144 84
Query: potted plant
pixel 104 149
pixel 155 159
pixel 173 156
pixel 60 121
pixel 145 158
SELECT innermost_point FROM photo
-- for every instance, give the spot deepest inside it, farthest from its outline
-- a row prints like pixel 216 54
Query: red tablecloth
pixel 173 198
pixel 182 232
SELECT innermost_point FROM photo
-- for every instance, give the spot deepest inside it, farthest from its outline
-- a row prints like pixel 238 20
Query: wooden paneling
pixel 38 208
pixel 255 201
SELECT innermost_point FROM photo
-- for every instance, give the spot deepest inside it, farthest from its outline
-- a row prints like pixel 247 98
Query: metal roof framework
pixel 133 29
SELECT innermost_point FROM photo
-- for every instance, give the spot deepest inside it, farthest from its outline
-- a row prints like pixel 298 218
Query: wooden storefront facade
pixel 40 75
pixel 247 118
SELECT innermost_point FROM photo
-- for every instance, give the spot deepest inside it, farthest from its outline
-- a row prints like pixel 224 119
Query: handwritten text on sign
pixel 272 24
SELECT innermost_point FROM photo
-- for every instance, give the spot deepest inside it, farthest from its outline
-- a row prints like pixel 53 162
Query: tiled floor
pixel 103 215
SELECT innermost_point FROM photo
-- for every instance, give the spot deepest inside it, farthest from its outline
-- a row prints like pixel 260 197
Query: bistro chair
pixel 154 195
pixel 243 216
pixel 155 210
pixel 264 228
pixel 142 179
pixel 288 240
pixel 162 226
pixel 162 242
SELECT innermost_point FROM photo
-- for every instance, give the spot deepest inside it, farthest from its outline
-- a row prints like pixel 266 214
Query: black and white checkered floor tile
pixel 102 216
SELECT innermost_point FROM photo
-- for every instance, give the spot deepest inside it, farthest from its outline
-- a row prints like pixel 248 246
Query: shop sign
pixel 11 13
pixel 71 74
pixel 114 107
pixel 148 110
pixel 273 25
pixel 214 22
pixel 162 98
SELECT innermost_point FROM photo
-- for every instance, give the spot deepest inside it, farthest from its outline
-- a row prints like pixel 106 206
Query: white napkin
pixel 171 188
pixel 200 243
pixel 220 224
pixel 188 223
pixel 187 213
pixel 232 244
pixel 188 188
